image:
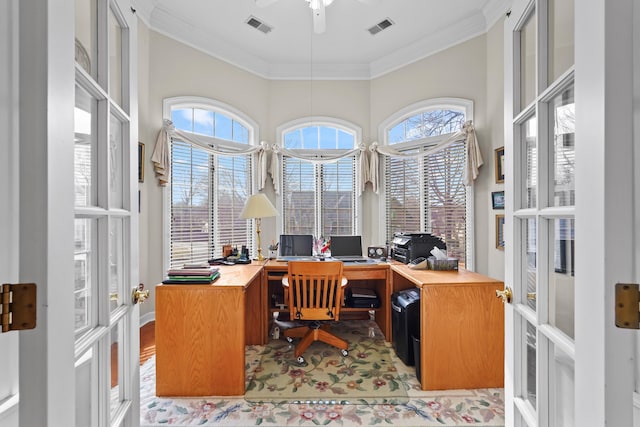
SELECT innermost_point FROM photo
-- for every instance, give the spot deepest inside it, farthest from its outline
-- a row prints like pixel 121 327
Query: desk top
pixel 430 277
pixel 231 276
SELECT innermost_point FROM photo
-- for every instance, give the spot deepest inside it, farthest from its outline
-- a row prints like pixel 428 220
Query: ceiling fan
pixel 317 6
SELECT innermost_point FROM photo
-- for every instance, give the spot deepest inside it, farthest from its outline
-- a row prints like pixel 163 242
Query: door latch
pixel 18 306
pixel 627 308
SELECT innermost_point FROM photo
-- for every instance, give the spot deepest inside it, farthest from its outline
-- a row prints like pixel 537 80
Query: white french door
pixel 540 147
pixel 106 220
pixel 570 215
pixel 72 226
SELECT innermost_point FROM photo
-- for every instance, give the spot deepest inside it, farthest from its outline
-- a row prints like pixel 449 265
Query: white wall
pixel 461 71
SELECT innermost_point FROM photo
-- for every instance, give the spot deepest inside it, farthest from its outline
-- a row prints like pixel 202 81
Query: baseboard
pixel 147 317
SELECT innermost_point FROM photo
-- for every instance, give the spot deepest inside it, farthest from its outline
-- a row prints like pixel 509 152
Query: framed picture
pixel 499 159
pixel 497 199
pixel 500 232
pixel 140 162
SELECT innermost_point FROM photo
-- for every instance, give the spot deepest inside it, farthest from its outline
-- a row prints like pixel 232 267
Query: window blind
pixel 337 201
pixel 207 194
pixel 429 195
pixel 190 178
pixel 299 196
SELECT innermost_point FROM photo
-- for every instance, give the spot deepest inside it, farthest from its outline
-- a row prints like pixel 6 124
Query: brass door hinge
pixel 18 308
pixel 627 308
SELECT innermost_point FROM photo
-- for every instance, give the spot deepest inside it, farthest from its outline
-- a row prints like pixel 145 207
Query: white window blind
pixel 207 195
pixel 319 198
pixel 428 194
pixel 299 196
pixel 191 179
pixel 446 201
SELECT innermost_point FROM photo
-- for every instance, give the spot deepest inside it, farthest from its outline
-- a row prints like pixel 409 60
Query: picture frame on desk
pixel 500 232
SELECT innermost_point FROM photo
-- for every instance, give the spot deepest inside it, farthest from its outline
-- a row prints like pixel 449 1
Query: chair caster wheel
pixel 289 339
pixel 345 353
pixel 301 360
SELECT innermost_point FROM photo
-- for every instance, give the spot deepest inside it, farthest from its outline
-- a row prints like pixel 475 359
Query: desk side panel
pixel 200 341
pixel 462 336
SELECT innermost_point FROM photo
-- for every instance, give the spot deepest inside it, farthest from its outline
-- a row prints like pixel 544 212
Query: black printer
pixel 409 246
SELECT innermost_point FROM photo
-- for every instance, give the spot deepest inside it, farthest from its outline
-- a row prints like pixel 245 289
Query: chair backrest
pixel 315 290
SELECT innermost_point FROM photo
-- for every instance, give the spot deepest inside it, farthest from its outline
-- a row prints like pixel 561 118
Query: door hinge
pixel 627 306
pixel 18 308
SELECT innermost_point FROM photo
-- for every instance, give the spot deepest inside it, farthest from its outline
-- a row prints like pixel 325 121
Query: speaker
pixel 377 251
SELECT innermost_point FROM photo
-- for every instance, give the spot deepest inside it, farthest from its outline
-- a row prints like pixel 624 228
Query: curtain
pixel 270 165
pixel 467 133
pixel 268 155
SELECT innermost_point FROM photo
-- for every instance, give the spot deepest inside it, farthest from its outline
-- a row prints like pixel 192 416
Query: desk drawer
pixel 364 274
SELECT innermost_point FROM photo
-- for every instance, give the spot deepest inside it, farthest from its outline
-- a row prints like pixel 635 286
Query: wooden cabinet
pixel 461 328
pixel 202 330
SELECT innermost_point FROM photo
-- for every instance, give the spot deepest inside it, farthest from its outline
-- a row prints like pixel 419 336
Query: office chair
pixel 314 292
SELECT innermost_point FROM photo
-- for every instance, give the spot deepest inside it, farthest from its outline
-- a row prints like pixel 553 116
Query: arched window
pixel 319 197
pixel 207 191
pixel 427 193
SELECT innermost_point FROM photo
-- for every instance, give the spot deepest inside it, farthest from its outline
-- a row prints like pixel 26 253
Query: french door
pixel 570 220
pixel 540 147
pixel 106 207
pixel 72 226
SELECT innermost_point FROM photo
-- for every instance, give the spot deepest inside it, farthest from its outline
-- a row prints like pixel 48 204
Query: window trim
pixel 333 122
pixel 409 111
pixel 217 106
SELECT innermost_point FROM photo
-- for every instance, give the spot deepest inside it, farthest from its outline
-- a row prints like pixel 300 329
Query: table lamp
pixel 258 207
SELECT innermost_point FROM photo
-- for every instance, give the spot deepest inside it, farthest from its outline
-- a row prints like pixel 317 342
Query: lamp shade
pixel 258 206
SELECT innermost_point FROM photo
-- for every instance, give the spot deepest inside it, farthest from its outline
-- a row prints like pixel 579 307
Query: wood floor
pixel 147 349
pixel 147 341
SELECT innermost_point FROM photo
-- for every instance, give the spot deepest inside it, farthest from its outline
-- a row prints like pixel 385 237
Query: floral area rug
pixel 366 375
pixel 483 407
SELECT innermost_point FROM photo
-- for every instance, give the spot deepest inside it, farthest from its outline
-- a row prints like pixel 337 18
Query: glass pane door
pixel 106 217
pixel 540 156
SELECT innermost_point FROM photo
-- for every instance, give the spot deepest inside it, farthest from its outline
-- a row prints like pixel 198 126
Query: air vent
pixel 380 26
pixel 258 24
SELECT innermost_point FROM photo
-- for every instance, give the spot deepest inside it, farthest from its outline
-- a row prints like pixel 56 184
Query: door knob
pixel 505 294
pixel 138 295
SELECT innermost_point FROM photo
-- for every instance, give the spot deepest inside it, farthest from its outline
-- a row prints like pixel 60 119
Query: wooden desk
pixel 374 276
pixel 202 330
pixel 461 327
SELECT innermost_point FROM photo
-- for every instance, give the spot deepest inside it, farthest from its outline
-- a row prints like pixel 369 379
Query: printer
pixel 409 246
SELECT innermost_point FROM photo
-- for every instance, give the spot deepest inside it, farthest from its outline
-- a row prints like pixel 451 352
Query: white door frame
pixel 46 209
pixel 604 202
pixel 9 215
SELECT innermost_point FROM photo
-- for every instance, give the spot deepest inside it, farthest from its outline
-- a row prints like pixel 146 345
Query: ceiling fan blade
pixel 319 20
pixel 264 3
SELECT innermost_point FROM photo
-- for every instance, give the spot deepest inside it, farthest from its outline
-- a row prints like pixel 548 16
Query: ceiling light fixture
pixel 316 4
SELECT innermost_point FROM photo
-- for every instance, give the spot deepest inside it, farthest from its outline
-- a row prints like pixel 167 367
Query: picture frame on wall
pixel 497 199
pixel 500 232
pixel 140 162
pixel 499 164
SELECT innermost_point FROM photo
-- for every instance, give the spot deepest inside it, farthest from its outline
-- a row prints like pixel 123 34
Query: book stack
pixel 192 274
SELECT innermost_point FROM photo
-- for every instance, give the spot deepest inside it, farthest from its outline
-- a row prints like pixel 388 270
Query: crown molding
pixel 161 21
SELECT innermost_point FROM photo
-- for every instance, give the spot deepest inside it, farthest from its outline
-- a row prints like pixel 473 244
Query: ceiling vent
pixel 258 24
pixel 380 26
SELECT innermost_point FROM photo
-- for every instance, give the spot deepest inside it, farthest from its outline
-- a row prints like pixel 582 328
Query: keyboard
pixel 352 258
pixel 295 258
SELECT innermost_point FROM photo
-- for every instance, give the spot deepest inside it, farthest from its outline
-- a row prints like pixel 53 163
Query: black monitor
pixel 296 245
pixel 346 246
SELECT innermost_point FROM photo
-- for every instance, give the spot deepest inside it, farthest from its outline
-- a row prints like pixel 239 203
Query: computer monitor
pixel 346 246
pixel 296 245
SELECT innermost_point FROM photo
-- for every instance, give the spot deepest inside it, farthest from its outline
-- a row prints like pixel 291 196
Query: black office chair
pixel 314 293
